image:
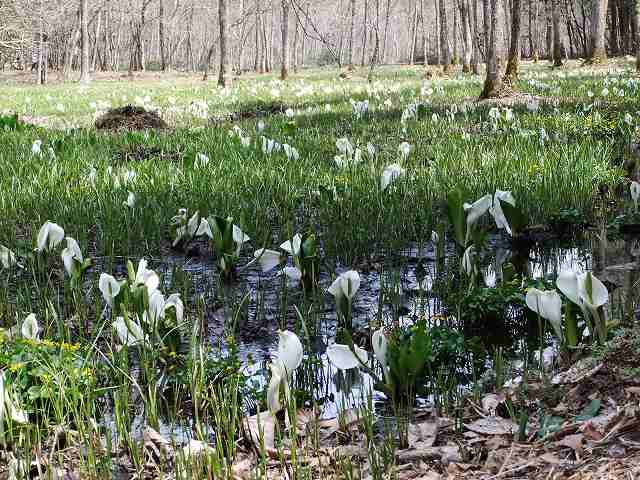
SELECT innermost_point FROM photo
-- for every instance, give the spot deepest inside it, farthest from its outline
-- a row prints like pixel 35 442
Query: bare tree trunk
pixel 455 54
pixel 296 43
pixel 436 8
pixel 257 61
pixel 444 39
pixel 161 40
pixel 493 85
pixel 414 35
pixel 636 22
pixel 42 54
pixel 96 49
pixel 475 58
pixel 224 78
pixel 557 45
pixel 486 24
pixel 365 31
pixel 351 32
pixel 84 33
pixel 466 36
pixel 425 33
pixel 598 53
pixel 284 71
pixel 386 32
pixel 514 47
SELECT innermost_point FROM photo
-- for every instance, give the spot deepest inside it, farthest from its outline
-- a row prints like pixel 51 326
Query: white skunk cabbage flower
pixel 36 148
pixel 204 229
pixel 346 285
pixel 239 238
pixel 380 346
pixel 202 160
pixel 389 174
pixel 7 257
pixel 583 289
pixel 289 358
pixel 8 407
pixel 49 237
pixel 158 306
pixel 292 247
pixel 268 259
pixel 146 277
pixel 131 200
pixel 344 359
pixel 404 149
pixel 497 212
pixel 344 146
pixel 109 287
pixel 468 260
pixel 476 210
pixel 548 305
pixel 292 273
pixel 291 152
pixel 130 333
pixel 72 256
pixel 30 328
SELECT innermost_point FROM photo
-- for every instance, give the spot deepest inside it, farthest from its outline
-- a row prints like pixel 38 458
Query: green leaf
pixel 518 221
pixel 455 212
pixel 589 411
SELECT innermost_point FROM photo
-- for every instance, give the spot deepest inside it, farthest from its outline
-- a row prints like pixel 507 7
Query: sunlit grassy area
pixel 407 251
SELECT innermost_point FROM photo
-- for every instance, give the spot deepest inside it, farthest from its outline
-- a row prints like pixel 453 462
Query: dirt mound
pixel 130 118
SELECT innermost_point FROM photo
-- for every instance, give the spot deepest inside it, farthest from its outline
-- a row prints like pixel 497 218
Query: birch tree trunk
pixel 493 84
pixel 284 71
pixel 224 78
pixel 296 43
pixel 84 34
pixel 466 36
pixel 598 53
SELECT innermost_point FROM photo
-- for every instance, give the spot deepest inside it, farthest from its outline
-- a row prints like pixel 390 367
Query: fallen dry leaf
pixel 424 432
pixel 491 402
pixel 574 442
pixel 445 454
pixel 262 422
pixel 582 369
pixel 493 426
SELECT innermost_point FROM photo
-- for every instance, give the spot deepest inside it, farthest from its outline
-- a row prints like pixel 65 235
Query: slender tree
pixel 161 40
pixel 493 83
pixel 84 34
pixel 444 39
pixel 466 36
pixel 224 78
pixel 284 70
pixel 557 45
pixel 598 53
pixel 636 20
pixel 352 27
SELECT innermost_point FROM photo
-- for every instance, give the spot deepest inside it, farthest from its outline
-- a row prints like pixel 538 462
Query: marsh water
pixel 257 304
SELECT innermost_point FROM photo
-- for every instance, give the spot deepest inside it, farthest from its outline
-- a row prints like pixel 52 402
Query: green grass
pixel 270 193
pixel 554 159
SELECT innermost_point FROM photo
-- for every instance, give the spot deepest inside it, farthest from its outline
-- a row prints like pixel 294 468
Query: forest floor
pixel 369 174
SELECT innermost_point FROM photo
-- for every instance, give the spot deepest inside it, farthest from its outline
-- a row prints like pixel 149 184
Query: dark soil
pixel 130 118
